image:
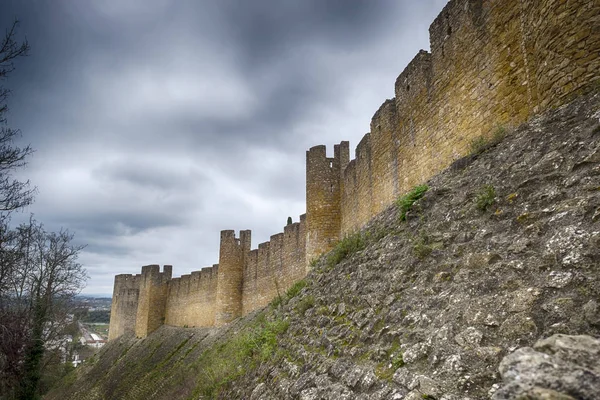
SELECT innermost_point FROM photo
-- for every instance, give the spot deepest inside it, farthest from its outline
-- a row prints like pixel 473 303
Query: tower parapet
pixel 152 299
pixel 244 281
pixel 323 189
pixel 232 253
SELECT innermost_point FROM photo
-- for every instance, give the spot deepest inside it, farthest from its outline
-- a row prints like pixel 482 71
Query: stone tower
pixel 323 197
pixel 232 252
pixel 123 311
pixel 152 299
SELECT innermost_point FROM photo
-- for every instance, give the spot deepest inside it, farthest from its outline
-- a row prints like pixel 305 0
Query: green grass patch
pixel 486 196
pixel 176 350
pixel 313 263
pixel 349 245
pixel 421 247
pixel 296 289
pixel 352 244
pixel 292 292
pixel 277 301
pixel 405 203
pixel 484 142
pixel 478 145
pixel 224 362
pixel 379 325
pixel 306 303
pixel 101 329
pixel 386 369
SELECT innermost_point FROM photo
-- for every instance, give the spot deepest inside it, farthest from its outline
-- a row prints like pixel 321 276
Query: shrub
pixel 353 243
pixel 405 203
pixel 499 134
pixel 478 145
pixel 486 196
pixel 397 361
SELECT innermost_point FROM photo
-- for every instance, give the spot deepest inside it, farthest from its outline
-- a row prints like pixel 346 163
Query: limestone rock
pixel 557 368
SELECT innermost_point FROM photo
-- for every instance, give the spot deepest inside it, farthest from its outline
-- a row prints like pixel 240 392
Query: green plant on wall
pixel 306 303
pixel 292 292
pixel 405 203
pixel 486 196
pixel 421 247
pixel 345 247
pixel 484 142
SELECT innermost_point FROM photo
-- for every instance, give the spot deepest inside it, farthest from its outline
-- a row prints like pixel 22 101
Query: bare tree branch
pixel 13 194
pixel 39 272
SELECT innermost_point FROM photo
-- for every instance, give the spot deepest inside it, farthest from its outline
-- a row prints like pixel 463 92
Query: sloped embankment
pixel 502 250
pixel 173 363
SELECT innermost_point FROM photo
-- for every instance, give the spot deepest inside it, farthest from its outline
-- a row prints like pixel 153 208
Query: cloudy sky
pixel 159 123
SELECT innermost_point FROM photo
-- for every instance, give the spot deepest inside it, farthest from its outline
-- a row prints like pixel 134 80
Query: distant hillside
pixel 503 249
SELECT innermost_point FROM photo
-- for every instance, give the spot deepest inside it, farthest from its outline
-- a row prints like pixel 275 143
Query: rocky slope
pixel 558 368
pixel 502 250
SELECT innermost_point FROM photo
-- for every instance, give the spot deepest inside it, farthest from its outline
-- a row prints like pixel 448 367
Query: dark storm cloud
pixel 159 123
pixel 150 173
pixel 124 222
pixel 266 30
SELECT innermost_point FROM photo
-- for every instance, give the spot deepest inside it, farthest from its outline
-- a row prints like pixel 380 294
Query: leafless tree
pixel 14 194
pixel 39 272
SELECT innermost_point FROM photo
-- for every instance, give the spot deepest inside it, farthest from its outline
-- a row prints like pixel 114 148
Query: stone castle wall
pixel 152 299
pixel 243 281
pixel 123 310
pixel 191 298
pixel 274 267
pixel 323 191
pixel 232 253
pixel 492 65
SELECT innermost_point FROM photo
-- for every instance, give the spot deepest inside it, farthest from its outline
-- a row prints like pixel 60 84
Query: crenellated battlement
pixel 491 64
pixel 191 298
pixel 243 281
pixel 231 268
pixel 323 189
pixel 152 298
